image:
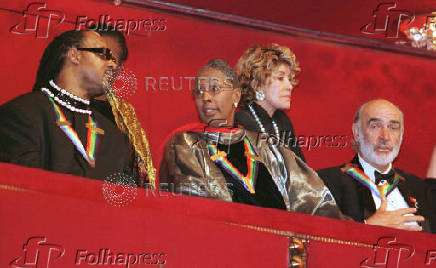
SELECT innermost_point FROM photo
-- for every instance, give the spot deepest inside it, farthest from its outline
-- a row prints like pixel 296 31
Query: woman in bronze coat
pixel 219 160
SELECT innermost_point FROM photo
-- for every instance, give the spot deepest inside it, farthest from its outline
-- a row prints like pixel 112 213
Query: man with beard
pixel 54 127
pixel 369 189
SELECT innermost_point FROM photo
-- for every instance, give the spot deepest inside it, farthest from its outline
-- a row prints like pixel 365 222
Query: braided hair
pixel 54 56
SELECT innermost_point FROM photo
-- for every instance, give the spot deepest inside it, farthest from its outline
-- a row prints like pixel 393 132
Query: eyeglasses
pixel 103 52
pixel 212 90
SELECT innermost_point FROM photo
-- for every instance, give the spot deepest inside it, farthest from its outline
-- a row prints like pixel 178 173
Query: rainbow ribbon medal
pixel 380 191
pixel 387 188
pixel 253 160
pixel 65 125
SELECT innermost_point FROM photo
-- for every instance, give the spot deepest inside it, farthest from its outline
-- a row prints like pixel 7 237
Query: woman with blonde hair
pixel 266 76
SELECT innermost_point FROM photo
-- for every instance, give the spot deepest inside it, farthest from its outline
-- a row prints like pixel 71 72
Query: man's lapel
pixel 402 186
pixel 412 202
pixel 366 202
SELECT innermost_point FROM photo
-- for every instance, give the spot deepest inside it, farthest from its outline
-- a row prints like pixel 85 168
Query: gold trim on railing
pixel 311 237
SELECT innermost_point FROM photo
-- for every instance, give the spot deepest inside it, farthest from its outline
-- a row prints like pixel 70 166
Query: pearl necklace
pixel 65 104
pixel 259 123
pixel 63 91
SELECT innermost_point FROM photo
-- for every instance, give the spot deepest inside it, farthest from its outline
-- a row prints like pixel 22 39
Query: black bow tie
pixel 387 177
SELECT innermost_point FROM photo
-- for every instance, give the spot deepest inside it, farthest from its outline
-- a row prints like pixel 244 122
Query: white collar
pixel 369 169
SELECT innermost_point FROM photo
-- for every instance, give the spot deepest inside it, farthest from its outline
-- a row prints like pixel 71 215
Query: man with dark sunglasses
pixel 105 53
pixel 55 127
pixel 122 113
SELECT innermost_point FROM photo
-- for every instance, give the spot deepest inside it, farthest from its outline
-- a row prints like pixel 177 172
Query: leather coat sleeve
pixel 308 193
pixel 305 191
pixel 185 171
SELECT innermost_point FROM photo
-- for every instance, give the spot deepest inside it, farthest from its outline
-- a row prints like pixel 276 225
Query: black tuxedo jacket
pixel 29 136
pixel 355 200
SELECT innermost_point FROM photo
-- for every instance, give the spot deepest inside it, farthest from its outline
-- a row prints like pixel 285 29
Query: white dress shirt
pixel 395 198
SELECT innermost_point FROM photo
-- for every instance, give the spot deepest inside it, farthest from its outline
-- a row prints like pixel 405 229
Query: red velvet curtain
pixel 334 80
pixel 195 232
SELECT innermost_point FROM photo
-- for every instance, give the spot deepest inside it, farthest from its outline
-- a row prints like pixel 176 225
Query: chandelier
pixel 424 37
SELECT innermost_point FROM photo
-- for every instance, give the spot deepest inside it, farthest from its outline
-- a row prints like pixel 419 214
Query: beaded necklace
pixel 67 99
pixel 63 91
pixel 259 123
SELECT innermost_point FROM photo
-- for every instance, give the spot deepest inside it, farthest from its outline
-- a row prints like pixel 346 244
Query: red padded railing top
pixel 41 210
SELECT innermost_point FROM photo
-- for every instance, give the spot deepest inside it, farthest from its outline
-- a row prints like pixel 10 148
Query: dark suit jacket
pixel 29 136
pixel 355 200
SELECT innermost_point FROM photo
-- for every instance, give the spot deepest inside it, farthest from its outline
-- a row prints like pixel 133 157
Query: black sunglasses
pixel 104 52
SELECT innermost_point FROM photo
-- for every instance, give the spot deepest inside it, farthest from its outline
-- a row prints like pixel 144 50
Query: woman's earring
pixel 260 95
pixel 235 104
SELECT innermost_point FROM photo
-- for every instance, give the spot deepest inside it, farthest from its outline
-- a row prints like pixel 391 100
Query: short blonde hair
pixel 256 65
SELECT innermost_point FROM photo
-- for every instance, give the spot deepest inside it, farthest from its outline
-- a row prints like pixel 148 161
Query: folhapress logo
pixel 37 253
pixel 38 19
pixel 388 253
pixel 386 19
